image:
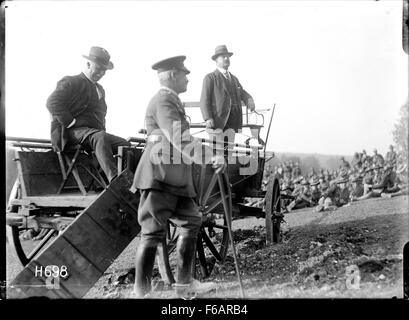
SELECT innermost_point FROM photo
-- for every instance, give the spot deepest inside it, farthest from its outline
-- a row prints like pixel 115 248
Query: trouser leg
pixel 104 146
pixel 154 209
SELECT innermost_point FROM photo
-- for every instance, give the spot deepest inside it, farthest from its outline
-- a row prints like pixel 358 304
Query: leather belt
pixel 155 138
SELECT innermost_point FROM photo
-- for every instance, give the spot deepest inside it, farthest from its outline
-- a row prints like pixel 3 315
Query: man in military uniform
pixel 296 171
pixel 368 179
pixel 377 173
pixel 386 185
pixel 342 197
pixel 401 183
pixel 345 164
pixel 391 156
pixel 302 197
pixel 164 178
pixel 78 110
pixel 315 191
pixel 356 162
pixel 221 99
pixel 336 195
pixel 377 158
pixel 357 189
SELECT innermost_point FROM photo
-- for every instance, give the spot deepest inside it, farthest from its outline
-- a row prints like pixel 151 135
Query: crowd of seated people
pixel 363 178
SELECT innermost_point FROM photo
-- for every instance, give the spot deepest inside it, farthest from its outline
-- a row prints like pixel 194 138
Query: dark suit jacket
pixel 215 101
pixel 164 113
pixel 75 97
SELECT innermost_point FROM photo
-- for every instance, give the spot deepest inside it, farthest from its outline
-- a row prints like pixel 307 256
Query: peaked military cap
pixel 173 63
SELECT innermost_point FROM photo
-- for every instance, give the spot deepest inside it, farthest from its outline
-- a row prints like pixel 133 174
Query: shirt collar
pixel 89 78
pixel 169 90
pixel 223 71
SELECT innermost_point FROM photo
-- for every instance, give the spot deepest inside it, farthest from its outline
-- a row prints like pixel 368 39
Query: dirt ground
pixel 353 252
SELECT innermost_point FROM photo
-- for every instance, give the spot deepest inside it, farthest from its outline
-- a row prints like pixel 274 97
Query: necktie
pixel 228 75
pixel 98 91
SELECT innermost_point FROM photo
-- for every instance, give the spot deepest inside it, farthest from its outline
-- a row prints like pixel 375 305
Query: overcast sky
pixel 336 70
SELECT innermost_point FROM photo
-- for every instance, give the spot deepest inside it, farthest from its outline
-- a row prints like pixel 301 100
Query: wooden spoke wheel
pixel 29 249
pixel 273 210
pixel 215 202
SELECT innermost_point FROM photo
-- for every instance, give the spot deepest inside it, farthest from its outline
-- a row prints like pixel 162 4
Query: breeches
pixel 157 207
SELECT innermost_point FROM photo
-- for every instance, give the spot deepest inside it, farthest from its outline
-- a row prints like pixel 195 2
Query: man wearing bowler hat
pixel 222 96
pixel 165 182
pixel 78 110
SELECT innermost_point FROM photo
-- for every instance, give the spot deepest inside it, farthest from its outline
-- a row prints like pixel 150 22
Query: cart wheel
pixel 273 210
pixel 215 202
pixel 27 251
pixel 213 237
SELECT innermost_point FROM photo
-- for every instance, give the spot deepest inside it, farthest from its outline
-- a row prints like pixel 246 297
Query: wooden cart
pixel 88 223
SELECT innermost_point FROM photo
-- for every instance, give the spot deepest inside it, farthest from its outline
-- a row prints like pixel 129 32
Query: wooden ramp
pixel 78 257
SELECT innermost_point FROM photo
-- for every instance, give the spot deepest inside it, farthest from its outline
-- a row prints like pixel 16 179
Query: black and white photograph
pixel 189 150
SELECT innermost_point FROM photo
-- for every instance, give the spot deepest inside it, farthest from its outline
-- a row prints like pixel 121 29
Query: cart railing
pixel 30 143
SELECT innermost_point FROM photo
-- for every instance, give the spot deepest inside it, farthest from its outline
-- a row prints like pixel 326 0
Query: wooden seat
pixel 69 163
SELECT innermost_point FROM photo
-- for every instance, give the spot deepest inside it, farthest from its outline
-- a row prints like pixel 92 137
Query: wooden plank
pixel 82 274
pixel 26 285
pixel 89 245
pixel 116 209
pixel 101 247
pixel 20 174
pixel 59 200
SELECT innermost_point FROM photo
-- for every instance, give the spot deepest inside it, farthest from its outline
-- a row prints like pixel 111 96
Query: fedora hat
pixel 222 49
pixel 343 177
pixel 286 186
pixel 314 181
pixel 100 56
pixel 304 182
pixel 357 178
pixel 342 180
pixel 324 185
pixel 388 166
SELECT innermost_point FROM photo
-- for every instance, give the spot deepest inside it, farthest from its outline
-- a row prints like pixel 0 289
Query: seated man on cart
pixel 78 110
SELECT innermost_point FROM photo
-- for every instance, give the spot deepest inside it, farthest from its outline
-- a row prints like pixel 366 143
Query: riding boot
pixel 185 285
pixel 145 259
pixel 186 250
